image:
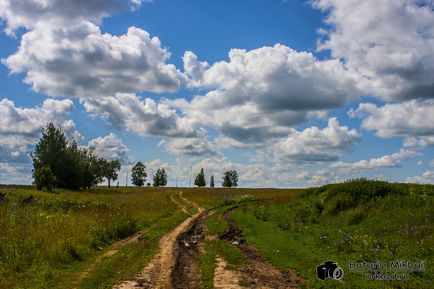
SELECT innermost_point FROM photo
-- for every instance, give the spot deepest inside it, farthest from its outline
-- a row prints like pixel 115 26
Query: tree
pixel 226 180
pixel 44 178
pixel 160 178
pixel 111 169
pixel 234 178
pixel 200 179
pixel 61 163
pixel 163 178
pixel 230 179
pixel 93 168
pixel 138 174
pixel 211 181
pixel 48 155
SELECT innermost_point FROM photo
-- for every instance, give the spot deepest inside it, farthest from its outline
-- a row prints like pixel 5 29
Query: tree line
pixel 138 176
pixel 62 163
pixel 230 179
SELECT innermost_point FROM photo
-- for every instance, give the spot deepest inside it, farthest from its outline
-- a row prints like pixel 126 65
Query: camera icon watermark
pixel 329 270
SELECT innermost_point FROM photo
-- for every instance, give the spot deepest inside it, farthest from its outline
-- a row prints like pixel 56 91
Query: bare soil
pixel 186 273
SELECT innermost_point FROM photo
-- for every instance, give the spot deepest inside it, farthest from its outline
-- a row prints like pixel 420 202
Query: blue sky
pixel 289 93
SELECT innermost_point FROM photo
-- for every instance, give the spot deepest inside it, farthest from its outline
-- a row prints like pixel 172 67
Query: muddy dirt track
pixel 175 264
pixel 255 273
pixel 158 273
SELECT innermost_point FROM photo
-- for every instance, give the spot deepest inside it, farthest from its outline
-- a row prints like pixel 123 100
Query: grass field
pixel 359 220
pixel 47 240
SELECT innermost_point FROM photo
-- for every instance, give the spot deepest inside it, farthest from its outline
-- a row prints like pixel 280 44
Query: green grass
pixel 190 209
pixel 358 220
pixel 48 239
pixel 206 265
pixel 131 258
pixel 210 198
pixel 216 224
pixel 45 238
pixel 231 254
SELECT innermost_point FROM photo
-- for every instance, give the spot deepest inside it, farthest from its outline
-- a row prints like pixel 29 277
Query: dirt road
pixel 255 273
pixel 164 270
pixel 175 264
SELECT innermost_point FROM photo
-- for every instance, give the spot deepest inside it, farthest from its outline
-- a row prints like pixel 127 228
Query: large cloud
pixel 143 117
pixel 389 43
pixel 195 147
pixel 278 78
pixel 21 127
pixel 387 161
pixel 80 61
pixel 32 13
pixel 110 147
pixel 259 94
pixel 314 144
pixel 426 178
pixel 407 119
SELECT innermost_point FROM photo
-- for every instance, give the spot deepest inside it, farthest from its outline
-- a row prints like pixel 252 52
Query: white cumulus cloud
pixel 411 119
pixel 21 127
pixel 143 117
pixel 32 13
pixel 387 161
pixel 110 147
pixel 388 43
pixel 80 61
pixel 315 144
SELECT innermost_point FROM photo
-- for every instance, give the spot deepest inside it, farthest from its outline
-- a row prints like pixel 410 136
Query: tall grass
pixel 357 220
pixel 43 236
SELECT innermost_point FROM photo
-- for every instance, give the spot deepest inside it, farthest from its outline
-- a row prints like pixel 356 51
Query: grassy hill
pixel 358 220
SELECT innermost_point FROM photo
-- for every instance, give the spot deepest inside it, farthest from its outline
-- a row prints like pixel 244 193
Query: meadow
pixel 62 239
pixel 46 239
pixel 359 220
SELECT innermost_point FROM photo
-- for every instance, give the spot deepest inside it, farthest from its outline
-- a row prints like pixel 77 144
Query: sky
pixel 288 93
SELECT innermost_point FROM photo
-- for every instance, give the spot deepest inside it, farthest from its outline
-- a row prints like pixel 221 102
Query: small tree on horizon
pixel 230 179
pixel 234 178
pixel 200 179
pixel 211 181
pixel 138 174
pixel 163 178
pixel 160 178
pixel 111 170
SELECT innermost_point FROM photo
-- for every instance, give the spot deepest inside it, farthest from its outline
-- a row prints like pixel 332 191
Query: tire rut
pixel 256 272
pixel 186 273
pixel 174 266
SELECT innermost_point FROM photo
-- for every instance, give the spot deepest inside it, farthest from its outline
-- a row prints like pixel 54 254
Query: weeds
pixel 44 235
pixel 356 220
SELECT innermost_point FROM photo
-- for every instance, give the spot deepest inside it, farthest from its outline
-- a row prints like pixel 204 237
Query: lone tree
pixel 160 178
pixel 111 169
pixel 138 174
pixel 230 179
pixel 200 179
pixel 211 181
